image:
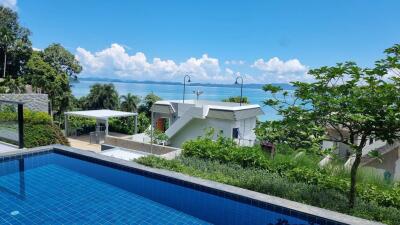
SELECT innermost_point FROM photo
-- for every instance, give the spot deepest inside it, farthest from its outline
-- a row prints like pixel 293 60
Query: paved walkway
pixel 83 142
pixel 6 148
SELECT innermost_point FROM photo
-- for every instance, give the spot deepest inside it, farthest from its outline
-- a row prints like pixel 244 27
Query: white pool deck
pixel 4 147
pixel 124 154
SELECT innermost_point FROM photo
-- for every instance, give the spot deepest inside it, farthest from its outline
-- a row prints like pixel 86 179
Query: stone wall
pixel 34 102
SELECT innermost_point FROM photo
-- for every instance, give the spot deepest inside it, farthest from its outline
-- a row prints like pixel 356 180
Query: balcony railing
pixel 12 122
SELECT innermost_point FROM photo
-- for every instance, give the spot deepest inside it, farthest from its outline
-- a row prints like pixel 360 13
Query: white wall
pixel 197 127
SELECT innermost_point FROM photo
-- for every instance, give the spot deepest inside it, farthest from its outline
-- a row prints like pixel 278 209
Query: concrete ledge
pixel 255 198
pixel 140 146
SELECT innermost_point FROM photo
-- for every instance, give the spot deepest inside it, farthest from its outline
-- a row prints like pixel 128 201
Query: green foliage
pixel 158 136
pixel 30 117
pixel 62 60
pixel 148 102
pixel 122 125
pixel 356 103
pixel 14 43
pixel 297 128
pixel 46 79
pixel 264 181
pixel 43 134
pixel 236 99
pixel 143 122
pixel 225 150
pixel 130 102
pixel 295 167
pixel 9 85
pixel 38 128
pixel 102 96
pixel 127 125
pixel 76 122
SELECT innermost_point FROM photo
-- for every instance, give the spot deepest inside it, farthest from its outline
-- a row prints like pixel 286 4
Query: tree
pixel 358 103
pixel 236 99
pixel 102 96
pixel 15 46
pixel 149 100
pixel 62 60
pixel 130 102
pixel 9 85
pixel 45 79
pixel 143 122
pixel 296 129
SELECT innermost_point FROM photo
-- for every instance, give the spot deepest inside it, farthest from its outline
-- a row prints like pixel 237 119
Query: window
pixel 235 133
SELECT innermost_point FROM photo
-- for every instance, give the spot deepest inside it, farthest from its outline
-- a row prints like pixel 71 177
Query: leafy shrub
pixel 43 134
pixel 225 150
pixel 122 125
pixel 38 128
pixel 264 181
pixel 295 167
pixel 29 116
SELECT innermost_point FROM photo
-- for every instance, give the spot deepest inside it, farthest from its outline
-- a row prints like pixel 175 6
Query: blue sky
pixel 264 41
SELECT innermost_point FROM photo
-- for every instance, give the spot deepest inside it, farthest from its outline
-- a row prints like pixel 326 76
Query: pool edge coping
pixel 219 187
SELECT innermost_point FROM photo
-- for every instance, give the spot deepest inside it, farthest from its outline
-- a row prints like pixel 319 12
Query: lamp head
pixel 236 82
pixel 189 80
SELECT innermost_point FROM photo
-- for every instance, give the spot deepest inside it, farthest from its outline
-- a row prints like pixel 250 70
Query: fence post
pixel 21 125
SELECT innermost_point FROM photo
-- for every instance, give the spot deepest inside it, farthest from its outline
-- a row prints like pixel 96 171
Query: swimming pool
pixel 67 186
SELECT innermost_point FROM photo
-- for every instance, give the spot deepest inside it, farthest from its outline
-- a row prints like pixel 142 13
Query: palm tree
pixel 102 96
pixel 6 39
pixel 130 102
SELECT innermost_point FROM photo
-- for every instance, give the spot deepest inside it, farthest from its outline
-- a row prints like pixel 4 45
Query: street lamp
pixel 184 85
pixel 241 88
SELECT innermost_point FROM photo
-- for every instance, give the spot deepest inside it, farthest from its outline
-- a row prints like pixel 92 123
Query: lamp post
pixel 184 85
pixel 241 88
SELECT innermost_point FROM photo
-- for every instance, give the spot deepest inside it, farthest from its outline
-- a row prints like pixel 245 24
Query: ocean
pixel 169 91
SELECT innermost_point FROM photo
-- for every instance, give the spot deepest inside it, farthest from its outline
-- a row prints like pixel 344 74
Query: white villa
pixel 182 121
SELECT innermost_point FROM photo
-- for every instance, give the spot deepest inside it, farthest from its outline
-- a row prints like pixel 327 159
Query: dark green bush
pixel 38 128
pixel 264 181
pixel 43 134
pixel 122 125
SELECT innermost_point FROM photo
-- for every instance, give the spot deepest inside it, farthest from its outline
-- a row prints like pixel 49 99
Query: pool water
pixel 52 188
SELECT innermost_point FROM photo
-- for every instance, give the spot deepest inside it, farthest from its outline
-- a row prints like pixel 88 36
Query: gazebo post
pixel 136 123
pixel 66 124
pixel 107 127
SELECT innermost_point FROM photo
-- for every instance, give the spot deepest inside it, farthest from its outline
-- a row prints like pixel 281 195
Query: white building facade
pixel 189 120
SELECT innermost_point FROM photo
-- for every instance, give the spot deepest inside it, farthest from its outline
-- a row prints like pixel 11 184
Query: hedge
pixel 226 151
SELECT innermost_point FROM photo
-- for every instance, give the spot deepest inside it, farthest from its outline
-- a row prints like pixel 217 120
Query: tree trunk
pixel 5 63
pixel 353 172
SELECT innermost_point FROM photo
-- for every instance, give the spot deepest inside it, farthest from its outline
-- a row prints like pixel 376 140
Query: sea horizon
pixel 175 92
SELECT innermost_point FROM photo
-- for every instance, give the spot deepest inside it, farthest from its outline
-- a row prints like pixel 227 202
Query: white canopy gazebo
pixel 101 116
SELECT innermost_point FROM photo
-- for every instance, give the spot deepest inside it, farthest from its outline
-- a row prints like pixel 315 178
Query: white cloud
pixel 277 70
pixel 235 62
pixel 12 4
pixel 115 61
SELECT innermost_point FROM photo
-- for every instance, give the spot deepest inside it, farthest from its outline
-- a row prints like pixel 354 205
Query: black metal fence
pixel 12 122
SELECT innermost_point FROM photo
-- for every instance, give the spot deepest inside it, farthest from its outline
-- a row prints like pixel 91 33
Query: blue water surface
pixel 55 189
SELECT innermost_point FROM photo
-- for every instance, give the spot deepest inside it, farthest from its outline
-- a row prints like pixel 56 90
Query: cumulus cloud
pixel 116 61
pixel 12 4
pixel 279 70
